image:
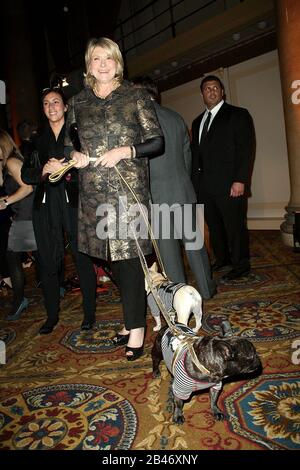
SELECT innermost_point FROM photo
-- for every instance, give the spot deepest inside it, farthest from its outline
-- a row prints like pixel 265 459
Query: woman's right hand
pixel 82 160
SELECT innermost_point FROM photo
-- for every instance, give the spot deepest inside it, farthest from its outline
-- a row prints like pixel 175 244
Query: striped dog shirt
pixel 183 385
pixel 166 294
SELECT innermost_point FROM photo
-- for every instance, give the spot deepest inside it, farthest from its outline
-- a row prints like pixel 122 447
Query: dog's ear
pixel 226 350
pixel 154 267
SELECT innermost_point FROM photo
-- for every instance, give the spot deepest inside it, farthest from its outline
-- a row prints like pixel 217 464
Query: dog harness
pixel 166 293
pixel 183 384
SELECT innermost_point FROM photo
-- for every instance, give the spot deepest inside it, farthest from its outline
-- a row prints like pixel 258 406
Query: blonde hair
pixel 114 52
pixel 7 146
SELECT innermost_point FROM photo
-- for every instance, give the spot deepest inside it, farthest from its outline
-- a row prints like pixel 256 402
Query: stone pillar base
pixel 287 239
pixel 287 227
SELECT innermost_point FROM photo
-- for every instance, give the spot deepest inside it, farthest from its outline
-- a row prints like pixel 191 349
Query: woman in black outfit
pixel 55 214
pixel 21 239
pixel 5 222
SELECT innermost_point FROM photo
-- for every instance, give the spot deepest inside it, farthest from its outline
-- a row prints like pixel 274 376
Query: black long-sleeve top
pixel 48 147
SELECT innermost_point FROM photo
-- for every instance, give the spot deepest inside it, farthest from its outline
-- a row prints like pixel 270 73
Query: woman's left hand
pixel 112 157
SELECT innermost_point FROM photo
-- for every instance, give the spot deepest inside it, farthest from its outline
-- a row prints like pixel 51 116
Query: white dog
pixel 182 298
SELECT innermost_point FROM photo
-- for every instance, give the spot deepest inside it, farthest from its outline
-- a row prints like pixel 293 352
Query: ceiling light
pixel 157 71
pixel 236 36
pixel 64 82
pixel 262 24
pixel 174 63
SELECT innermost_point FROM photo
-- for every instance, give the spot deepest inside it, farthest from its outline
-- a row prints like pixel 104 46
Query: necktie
pixel 205 128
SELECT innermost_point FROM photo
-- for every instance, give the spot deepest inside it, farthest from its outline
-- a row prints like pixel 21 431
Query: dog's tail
pixel 197 311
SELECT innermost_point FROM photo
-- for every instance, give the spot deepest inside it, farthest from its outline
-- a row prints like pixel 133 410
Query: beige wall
pixel 255 85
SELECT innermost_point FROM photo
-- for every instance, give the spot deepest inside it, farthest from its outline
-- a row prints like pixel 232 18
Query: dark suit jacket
pixel 226 153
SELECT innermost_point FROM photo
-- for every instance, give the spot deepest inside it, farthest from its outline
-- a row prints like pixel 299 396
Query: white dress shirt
pixel 213 112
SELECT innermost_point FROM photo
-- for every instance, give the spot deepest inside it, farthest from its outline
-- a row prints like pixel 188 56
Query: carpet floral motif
pixel 76 390
pixel 257 320
pixel 99 339
pixel 267 410
pixel 65 417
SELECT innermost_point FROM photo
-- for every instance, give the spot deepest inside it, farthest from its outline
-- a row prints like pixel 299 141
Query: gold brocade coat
pixel 106 206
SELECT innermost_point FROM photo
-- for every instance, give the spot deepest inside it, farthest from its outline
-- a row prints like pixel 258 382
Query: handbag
pixel 34 160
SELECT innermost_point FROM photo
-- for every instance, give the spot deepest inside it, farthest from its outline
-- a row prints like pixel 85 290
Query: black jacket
pixel 226 154
pixel 47 147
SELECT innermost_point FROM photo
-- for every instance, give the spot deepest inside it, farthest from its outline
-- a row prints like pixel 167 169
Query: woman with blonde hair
pixel 118 131
pixel 21 236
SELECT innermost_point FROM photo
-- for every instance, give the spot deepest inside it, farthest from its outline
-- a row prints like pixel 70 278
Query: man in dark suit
pixel 222 149
pixel 170 184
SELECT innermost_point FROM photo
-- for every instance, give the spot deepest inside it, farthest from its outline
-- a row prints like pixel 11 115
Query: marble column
pixel 288 30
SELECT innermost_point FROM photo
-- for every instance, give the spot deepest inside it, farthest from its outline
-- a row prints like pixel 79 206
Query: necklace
pixel 114 87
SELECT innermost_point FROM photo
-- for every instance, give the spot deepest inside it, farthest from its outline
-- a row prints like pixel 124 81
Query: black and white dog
pixel 222 357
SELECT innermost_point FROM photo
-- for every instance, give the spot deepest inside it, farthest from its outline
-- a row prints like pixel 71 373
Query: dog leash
pixel 153 288
pixel 184 340
pixel 57 175
pixel 149 228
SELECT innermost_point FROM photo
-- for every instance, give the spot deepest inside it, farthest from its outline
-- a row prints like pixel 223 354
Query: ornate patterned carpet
pixel 75 390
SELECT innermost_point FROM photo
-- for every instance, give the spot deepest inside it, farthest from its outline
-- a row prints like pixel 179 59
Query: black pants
pixel 50 275
pixel 14 260
pixel 4 230
pixel 227 223
pixel 129 277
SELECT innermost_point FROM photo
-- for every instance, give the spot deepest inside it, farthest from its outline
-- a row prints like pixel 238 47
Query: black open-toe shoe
pixel 136 352
pixel 120 340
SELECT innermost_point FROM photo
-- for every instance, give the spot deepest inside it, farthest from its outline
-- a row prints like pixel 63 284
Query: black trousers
pixel 50 275
pixel 17 277
pixel 226 218
pixel 129 277
pixel 4 230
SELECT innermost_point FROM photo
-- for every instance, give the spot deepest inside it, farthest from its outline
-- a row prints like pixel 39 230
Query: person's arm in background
pixel 154 141
pixel 14 168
